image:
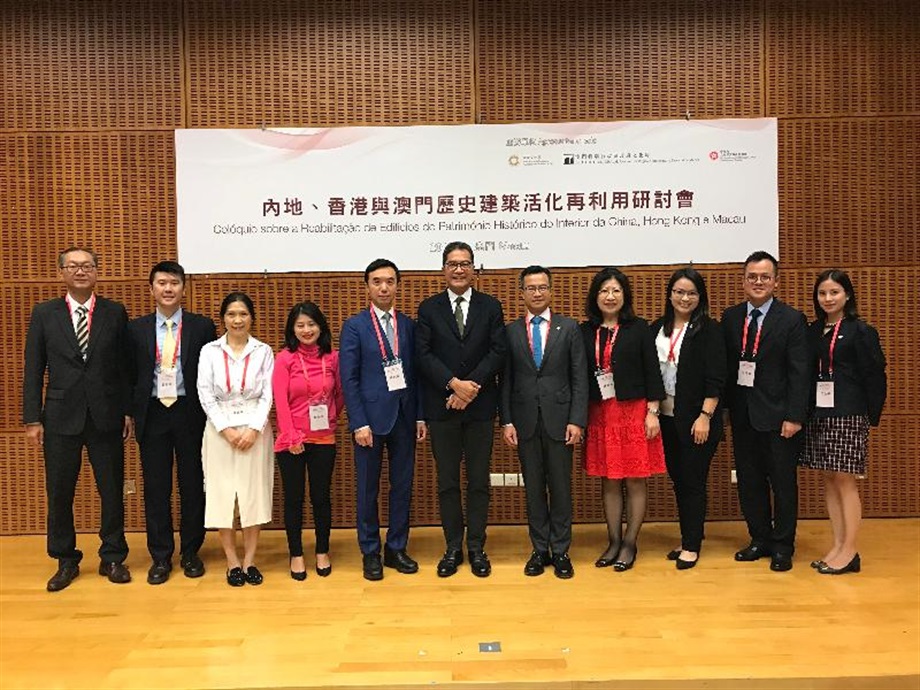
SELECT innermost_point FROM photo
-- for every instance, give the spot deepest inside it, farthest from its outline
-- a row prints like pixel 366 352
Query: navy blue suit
pixel 391 416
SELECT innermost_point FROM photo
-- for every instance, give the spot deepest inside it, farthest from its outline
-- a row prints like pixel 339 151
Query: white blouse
pixel 218 363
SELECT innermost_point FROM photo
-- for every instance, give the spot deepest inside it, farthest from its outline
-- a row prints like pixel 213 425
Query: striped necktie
pixel 82 330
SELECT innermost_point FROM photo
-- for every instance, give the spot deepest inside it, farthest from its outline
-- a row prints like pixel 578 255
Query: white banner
pixel 568 194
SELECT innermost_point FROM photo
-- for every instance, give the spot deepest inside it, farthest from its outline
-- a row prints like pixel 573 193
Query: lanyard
pixel 608 347
pixel 89 315
pixel 674 338
pixel 306 378
pixel 395 344
pixel 830 351
pixel 227 371
pixel 527 327
pixel 159 355
pixel 744 336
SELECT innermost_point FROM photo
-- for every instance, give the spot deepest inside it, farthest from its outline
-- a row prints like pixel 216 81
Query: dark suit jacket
pixel 860 383
pixel 197 331
pixel 636 373
pixel 442 354
pixel 782 379
pixel 558 390
pixel 364 384
pixel 700 374
pixel 99 386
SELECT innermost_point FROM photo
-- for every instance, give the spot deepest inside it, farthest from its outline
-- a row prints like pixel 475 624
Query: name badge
pixel 669 377
pixel 605 383
pixel 238 411
pixel 825 394
pixel 319 417
pixel 396 377
pixel 746 373
pixel 167 385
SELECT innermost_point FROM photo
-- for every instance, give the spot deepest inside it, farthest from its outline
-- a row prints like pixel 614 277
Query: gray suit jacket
pixel 558 390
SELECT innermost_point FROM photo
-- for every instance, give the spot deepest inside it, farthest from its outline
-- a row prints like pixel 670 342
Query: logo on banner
pixel 513 161
pixel 727 156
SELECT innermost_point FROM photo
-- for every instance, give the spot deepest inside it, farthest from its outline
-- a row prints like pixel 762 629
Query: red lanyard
pixel 608 347
pixel 90 310
pixel 830 351
pixel 744 336
pixel 306 378
pixel 530 333
pixel 227 371
pixel 159 355
pixel 674 340
pixel 394 346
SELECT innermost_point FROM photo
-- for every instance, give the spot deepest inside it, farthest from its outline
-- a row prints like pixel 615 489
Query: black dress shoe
pixel 300 576
pixel 621 565
pixel 817 564
pixel 479 563
pixel 536 563
pixel 159 572
pixel 192 565
pixel 752 552
pixel 562 566
pixel 685 565
pixel 373 570
pixel 854 566
pixel 673 555
pixel 66 573
pixel 116 572
pixel 449 562
pixel 607 559
pixel 236 577
pixel 324 572
pixel 399 560
pixel 253 576
pixel 781 562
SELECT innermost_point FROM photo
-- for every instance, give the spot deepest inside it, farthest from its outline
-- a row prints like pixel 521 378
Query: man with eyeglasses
pixel 767 397
pixel 544 410
pixel 80 341
pixel 460 346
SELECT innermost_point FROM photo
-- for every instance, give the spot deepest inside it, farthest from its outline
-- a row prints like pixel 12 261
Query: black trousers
pixel 319 461
pixel 688 466
pixel 766 463
pixel 169 433
pixel 455 441
pixel 63 457
pixel 547 468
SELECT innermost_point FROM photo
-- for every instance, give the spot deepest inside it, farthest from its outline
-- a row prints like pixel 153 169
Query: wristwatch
pixel 708 414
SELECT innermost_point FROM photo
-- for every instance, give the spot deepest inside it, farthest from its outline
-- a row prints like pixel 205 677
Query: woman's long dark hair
pixel 702 309
pixel 593 312
pixel 841 278
pixel 313 312
pixel 237 297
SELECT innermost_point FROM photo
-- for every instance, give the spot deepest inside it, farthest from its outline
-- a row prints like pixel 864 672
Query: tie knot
pixel 386 316
pixel 81 310
pixel 755 314
pixel 460 299
pixel 536 320
pixel 169 324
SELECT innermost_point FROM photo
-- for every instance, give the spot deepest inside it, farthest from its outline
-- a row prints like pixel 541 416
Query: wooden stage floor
pixel 720 625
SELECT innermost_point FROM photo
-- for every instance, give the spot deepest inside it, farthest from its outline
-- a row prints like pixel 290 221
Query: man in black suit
pixel 80 340
pixel 544 410
pixel 767 396
pixel 460 341
pixel 169 420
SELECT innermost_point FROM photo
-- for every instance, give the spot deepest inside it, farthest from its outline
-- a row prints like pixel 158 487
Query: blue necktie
pixel 537 340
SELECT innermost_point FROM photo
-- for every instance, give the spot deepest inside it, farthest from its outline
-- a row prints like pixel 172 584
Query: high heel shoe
pixel 608 558
pixel 324 572
pixel 299 576
pixel 623 566
pixel 853 566
pixel 673 554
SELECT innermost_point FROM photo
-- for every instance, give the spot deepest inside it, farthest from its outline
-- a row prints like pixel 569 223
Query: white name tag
pixel 238 411
pixel 605 383
pixel 825 394
pixel 746 373
pixel 396 378
pixel 669 377
pixel 167 386
pixel 319 417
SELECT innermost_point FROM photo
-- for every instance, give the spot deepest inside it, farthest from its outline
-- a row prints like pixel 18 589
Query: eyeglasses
pixel 534 289
pixel 685 294
pixel 613 292
pixel 454 265
pixel 761 278
pixel 75 268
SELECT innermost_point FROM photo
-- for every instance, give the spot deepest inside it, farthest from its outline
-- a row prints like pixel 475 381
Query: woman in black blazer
pixel 691 354
pixel 848 394
pixel 623 443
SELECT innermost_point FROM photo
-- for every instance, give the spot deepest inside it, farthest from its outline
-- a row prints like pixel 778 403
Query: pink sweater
pixel 294 393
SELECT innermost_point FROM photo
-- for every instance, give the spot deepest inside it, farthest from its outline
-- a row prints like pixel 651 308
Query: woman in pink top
pixel 308 400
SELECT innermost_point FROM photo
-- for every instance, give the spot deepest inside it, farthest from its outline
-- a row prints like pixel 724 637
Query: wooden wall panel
pixel 598 60
pixel 92 64
pixel 842 58
pixel 329 62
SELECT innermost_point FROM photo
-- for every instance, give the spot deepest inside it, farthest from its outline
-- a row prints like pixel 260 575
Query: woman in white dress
pixel 235 388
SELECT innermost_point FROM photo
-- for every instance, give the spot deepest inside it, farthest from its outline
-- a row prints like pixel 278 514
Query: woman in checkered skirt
pixel 847 397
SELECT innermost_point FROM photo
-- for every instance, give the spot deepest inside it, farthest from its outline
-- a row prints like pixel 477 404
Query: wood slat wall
pixel 91 92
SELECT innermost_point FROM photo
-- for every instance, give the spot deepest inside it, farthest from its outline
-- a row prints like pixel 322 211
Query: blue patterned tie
pixel 537 340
